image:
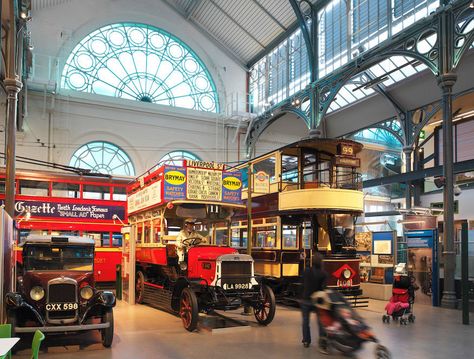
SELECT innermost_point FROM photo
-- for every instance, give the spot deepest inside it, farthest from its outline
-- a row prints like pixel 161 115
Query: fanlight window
pixel 103 157
pixel 143 63
pixel 176 158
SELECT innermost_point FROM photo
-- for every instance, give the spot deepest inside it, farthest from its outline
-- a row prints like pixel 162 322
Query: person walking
pixel 314 279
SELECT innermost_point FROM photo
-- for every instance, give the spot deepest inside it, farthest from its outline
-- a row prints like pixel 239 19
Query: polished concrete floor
pixel 143 332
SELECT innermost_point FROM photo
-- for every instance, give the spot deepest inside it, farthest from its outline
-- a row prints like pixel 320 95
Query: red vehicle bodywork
pixel 47 215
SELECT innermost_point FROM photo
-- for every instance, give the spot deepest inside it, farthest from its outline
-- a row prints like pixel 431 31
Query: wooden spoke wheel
pixel 188 309
pixel 139 287
pixel 264 311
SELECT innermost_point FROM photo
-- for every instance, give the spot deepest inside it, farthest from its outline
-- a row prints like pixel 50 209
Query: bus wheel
pixel 139 287
pixel 188 309
pixel 264 311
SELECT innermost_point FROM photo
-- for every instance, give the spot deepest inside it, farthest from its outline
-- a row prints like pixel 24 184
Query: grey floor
pixel 143 332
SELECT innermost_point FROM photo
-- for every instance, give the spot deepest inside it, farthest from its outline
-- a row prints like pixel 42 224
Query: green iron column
pixel 446 82
pixel 13 87
pixel 408 168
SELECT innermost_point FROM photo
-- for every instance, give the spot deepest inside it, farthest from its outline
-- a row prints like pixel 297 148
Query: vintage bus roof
pixel 57 239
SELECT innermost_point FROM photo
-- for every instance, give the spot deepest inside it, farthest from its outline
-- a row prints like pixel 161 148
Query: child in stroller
pixel 400 306
pixel 344 329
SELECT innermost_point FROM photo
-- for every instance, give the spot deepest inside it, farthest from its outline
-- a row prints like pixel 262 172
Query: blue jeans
pixel 306 311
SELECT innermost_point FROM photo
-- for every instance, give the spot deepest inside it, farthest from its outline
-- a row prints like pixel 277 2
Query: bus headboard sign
pixel 201 183
pixel 43 209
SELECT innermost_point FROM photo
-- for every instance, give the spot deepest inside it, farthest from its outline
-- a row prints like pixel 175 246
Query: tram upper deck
pixel 308 174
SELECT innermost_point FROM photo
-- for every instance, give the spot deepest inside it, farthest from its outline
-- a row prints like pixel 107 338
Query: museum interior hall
pixel 247 178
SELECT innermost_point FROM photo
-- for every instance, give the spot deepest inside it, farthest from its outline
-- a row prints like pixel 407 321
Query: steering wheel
pixel 192 241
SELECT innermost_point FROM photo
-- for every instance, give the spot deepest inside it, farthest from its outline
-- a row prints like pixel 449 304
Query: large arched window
pixel 103 157
pixel 140 62
pixel 176 158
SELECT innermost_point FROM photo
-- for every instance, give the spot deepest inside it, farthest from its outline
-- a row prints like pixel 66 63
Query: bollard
pixel 118 281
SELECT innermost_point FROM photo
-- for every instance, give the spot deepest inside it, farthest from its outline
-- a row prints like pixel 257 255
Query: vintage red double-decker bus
pixel 55 203
pixel 210 275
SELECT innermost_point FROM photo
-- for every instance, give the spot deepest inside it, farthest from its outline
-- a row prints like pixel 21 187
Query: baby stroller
pixel 345 330
pixel 400 306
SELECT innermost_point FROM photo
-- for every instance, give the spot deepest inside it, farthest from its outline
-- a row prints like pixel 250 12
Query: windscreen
pixel 58 257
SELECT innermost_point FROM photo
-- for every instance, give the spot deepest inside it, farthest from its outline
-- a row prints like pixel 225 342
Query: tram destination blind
pixel 204 185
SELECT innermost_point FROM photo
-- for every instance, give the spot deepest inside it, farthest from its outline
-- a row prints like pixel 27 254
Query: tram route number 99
pixel 61 306
pixel 346 150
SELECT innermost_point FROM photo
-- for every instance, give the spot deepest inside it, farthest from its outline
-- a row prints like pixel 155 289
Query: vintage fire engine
pixel 213 275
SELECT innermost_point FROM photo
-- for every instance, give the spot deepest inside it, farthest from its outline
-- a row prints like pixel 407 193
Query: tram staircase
pixel 357 301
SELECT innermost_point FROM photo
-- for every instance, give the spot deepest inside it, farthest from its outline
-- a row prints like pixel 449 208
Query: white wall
pixel 57 124
pixel 466 198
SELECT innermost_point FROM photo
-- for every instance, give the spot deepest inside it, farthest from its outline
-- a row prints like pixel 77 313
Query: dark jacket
pixel 314 279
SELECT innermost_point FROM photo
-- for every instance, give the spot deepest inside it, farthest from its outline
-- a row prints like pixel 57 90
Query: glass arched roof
pixel 143 63
pixel 103 157
pixel 378 136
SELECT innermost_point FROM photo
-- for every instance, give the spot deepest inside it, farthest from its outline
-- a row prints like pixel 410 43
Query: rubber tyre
pixel 382 352
pixel 264 311
pixel 139 287
pixel 188 309
pixel 107 334
pixel 13 321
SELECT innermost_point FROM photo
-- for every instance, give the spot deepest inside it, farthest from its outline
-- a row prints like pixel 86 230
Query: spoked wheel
pixel 188 309
pixel 139 287
pixel 382 352
pixel 264 311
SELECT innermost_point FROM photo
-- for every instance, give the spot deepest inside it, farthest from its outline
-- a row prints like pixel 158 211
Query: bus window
pixel 116 239
pixel 235 238
pixel 119 194
pixel 289 237
pixel 95 192
pixel 222 237
pixel 34 188
pixel 69 190
pixel 268 166
pixel 289 168
pixel 265 238
pixel 2 186
pixel 306 234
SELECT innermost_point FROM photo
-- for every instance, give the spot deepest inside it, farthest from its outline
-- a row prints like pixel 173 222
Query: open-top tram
pixel 212 275
pixel 304 197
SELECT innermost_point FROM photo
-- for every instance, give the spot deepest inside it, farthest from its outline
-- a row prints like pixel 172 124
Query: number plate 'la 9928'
pixel 52 307
pixel 230 286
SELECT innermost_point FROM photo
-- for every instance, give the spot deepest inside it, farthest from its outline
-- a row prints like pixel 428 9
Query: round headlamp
pixel 37 293
pixel 87 292
pixel 347 273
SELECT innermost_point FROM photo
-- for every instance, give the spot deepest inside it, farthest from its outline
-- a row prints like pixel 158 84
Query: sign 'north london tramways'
pixel 196 181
